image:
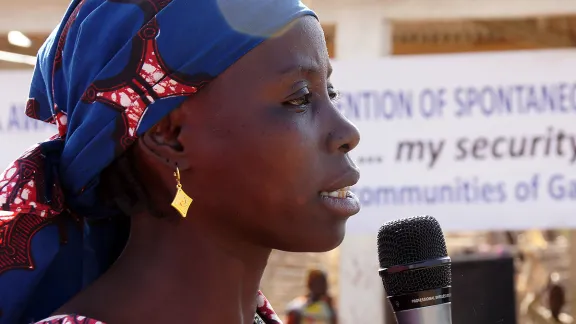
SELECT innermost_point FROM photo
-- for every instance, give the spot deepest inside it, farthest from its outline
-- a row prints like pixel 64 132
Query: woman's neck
pixel 175 274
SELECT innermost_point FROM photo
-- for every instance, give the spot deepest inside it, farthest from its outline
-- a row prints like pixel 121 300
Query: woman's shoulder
pixel 66 319
pixel 76 319
pixel 264 315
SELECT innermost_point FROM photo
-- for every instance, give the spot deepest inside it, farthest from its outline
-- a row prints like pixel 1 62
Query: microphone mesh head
pixel 413 240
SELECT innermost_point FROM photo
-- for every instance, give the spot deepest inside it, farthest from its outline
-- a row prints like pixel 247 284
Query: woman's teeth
pixel 340 193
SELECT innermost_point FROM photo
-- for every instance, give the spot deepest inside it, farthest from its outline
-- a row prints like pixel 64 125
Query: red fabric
pixel 69 319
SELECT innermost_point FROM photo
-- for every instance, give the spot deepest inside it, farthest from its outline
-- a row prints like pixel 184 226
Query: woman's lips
pixel 342 202
pixel 340 193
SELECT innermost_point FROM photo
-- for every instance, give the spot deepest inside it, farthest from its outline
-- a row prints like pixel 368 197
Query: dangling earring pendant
pixel 181 201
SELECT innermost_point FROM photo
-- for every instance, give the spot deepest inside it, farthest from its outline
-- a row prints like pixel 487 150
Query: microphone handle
pixel 436 314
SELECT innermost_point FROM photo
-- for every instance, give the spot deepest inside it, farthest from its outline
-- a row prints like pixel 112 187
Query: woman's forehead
pixel 299 49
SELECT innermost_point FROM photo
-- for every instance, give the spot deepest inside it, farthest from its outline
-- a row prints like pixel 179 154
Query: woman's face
pixel 264 139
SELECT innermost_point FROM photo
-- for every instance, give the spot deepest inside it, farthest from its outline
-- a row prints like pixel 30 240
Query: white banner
pixel 17 131
pixel 480 141
pixel 361 295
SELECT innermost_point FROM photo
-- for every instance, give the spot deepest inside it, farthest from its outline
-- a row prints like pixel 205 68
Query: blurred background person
pixel 545 307
pixel 316 307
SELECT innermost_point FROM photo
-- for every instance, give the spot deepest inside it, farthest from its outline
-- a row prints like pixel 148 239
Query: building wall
pixel 19 15
pixel 366 28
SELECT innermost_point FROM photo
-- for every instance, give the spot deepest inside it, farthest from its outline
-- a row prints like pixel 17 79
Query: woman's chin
pixel 321 241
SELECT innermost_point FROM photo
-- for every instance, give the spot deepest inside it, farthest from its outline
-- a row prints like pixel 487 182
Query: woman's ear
pixel 162 141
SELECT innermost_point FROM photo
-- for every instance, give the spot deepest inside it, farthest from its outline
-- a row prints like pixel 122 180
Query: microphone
pixel 416 270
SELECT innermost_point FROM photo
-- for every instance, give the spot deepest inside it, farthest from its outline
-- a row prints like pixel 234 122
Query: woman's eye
pixel 301 101
pixel 305 99
pixel 334 94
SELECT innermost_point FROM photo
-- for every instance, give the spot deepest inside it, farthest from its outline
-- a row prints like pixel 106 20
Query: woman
pixel 224 102
pixel 316 307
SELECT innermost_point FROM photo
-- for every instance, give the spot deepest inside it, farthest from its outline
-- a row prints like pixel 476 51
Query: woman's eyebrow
pixel 304 69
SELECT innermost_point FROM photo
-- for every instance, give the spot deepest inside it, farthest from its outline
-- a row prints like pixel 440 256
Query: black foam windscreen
pixel 408 241
pixel 483 289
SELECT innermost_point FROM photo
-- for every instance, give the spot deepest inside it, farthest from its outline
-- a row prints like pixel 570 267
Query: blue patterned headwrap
pixel 109 72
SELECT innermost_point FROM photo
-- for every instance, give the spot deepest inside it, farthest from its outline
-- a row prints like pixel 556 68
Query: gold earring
pixel 181 201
